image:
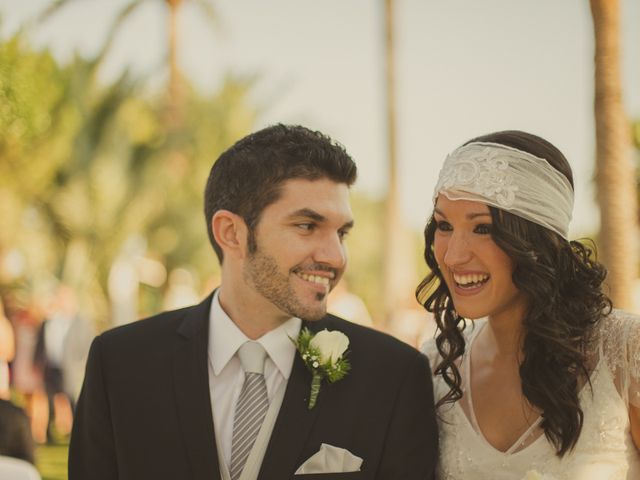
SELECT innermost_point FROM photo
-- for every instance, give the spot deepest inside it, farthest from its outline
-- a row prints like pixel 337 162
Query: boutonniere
pixel 323 354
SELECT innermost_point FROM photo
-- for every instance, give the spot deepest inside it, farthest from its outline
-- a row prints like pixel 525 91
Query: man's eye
pixel 443 226
pixel 483 229
pixel 343 234
pixel 306 226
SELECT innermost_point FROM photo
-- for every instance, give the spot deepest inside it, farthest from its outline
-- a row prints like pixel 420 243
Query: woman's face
pixel 477 272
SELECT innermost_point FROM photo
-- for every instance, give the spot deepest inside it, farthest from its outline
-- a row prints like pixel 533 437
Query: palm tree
pixel 398 272
pixel 615 175
pixel 175 88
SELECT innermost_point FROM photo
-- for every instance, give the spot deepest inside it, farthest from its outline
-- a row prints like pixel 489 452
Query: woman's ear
pixel 230 232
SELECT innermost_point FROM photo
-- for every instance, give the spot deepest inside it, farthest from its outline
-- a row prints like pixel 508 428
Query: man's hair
pixel 249 176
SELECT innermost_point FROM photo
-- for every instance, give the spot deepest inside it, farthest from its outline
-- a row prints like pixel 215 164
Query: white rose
pixel 330 344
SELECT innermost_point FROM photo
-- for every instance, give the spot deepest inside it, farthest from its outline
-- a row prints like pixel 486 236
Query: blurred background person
pixel 49 358
pixel 7 352
pixel 26 378
pixel 15 433
pixel 16 441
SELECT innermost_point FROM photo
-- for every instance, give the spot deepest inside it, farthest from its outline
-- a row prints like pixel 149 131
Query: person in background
pixel 7 352
pixel 49 358
pixel 15 433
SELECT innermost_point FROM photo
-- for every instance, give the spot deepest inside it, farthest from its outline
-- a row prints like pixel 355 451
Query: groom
pixel 218 390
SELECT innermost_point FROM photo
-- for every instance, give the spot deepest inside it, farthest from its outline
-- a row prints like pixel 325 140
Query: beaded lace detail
pixel 509 179
pixel 620 337
pixel 605 449
pixel 485 172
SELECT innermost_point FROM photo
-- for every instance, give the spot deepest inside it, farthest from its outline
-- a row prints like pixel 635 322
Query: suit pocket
pixel 329 476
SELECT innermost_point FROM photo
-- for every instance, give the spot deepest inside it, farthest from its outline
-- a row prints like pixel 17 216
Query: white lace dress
pixel 605 449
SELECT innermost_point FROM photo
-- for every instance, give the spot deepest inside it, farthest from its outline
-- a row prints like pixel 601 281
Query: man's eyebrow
pixel 348 225
pixel 317 217
pixel 308 213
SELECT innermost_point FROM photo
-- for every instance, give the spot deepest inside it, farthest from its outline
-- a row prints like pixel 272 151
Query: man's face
pixel 300 254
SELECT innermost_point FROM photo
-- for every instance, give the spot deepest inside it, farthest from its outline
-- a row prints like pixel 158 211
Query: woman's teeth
pixel 472 280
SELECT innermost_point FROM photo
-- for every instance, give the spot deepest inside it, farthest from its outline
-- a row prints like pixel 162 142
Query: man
pixel 171 397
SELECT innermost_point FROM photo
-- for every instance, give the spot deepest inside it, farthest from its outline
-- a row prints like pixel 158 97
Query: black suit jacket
pixel 145 413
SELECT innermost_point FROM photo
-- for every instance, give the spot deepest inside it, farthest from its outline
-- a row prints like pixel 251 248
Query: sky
pixel 464 68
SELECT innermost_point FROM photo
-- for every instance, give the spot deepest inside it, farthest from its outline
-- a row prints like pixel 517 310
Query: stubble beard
pixel 262 272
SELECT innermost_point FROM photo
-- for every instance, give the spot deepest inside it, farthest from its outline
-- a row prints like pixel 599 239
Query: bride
pixel 544 381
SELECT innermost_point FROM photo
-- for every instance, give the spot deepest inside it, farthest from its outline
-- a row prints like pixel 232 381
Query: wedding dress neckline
pixel 521 444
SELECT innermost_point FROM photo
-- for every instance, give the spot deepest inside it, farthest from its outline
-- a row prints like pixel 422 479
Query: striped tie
pixel 251 407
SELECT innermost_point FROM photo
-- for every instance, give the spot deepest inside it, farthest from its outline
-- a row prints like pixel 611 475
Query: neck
pixel 253 314
pixel 503 335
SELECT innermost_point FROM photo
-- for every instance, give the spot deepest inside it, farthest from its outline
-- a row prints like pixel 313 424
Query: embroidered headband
pixel 508 179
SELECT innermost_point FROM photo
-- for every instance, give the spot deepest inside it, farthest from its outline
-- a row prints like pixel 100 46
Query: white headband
pixel 508 179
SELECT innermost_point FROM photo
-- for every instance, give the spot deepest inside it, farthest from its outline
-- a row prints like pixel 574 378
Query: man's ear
pixel 230 231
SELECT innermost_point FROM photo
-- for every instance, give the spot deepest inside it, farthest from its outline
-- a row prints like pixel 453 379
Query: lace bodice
pixel 605 449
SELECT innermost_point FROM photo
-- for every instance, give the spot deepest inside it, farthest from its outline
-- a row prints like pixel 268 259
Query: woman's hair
pixel 562 283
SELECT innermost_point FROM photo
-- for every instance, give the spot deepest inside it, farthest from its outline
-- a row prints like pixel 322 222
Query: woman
pixel 544 383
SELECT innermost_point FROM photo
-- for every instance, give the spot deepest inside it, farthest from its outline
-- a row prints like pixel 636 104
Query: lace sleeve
pixel 621 348
pixel 431 351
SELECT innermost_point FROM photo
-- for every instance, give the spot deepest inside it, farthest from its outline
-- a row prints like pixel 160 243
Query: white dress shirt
pixel 226 376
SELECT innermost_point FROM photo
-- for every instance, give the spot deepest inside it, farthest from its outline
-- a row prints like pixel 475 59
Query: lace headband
pixel 511 180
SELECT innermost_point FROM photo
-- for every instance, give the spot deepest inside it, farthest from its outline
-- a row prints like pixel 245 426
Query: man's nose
pixel 458 251
pixel 332 252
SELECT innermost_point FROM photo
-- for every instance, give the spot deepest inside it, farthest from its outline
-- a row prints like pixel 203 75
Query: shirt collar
pixel 225 338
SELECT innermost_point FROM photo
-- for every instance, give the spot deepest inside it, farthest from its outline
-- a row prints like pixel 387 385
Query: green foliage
pixel 51 461
pixel 86 166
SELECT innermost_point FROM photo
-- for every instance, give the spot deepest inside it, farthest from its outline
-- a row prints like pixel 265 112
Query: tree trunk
pixel 174 117
pixel 398 269
pixel 615 173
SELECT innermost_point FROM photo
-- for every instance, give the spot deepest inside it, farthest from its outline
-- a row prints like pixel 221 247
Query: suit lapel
pixel 191 380
pixel 294 422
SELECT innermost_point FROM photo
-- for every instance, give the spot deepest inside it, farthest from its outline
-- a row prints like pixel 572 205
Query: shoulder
pixel 618 335
pixel 155 324
pixel 146 333
pixel 616 326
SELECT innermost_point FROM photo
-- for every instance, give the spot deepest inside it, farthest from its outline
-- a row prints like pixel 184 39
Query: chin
pixel 470 313
pixel 314 314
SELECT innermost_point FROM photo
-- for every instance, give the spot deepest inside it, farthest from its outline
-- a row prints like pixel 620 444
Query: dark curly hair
pixel 562 282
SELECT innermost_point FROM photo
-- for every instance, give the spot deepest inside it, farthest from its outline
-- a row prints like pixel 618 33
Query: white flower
pixel 330 344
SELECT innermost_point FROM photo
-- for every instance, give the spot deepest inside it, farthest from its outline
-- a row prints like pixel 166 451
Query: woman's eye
pixel 483 229
pixel 443 226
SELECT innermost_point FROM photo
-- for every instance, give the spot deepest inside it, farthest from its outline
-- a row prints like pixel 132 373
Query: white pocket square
pixel 330 459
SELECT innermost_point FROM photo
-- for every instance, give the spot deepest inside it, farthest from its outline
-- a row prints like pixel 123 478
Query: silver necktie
pixel 251 407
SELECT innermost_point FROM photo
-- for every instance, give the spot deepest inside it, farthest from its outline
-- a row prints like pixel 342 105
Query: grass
pixel 51 461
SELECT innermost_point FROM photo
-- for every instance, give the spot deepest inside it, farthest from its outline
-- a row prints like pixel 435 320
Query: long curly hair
pixel 562 281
